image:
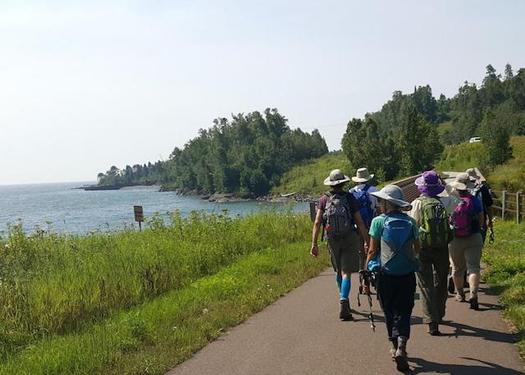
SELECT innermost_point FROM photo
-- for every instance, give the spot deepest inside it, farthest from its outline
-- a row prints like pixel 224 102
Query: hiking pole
pixel 492 237
pixel 364 278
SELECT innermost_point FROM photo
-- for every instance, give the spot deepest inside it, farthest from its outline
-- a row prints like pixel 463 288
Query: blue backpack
pixel 366 211
pixel 396 255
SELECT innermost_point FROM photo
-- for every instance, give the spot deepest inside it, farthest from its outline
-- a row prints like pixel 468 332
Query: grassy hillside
pixel 109 303
pixel 506 272
pixel 308 178
pixel 510 176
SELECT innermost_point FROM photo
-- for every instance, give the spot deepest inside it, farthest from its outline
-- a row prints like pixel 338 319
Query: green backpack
pixel 435 230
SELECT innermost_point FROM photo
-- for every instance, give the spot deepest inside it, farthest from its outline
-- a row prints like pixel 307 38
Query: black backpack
pixel 338 218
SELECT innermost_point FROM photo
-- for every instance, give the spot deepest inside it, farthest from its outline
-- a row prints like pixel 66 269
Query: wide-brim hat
pixel 429 183
pixel 393 194
pixel 362 175
pixel 336 177
pixel 474 175
pixel 462 182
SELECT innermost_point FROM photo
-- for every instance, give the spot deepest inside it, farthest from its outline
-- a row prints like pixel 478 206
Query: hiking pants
pixel 432 280
pixel 396 296
pixel 344 253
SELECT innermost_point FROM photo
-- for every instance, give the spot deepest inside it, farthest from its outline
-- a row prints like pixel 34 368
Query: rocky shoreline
pixel 234 198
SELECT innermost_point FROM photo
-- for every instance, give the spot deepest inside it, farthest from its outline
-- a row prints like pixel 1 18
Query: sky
pixel 85 85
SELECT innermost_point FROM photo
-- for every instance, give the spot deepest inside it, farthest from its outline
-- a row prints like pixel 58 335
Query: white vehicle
pixel 474 140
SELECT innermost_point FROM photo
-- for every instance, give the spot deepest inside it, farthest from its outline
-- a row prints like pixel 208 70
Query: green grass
pixel 151 338
pixel 509 176
pixel 58 284
pixel 505 259
pixel 444 127
pixel 308 178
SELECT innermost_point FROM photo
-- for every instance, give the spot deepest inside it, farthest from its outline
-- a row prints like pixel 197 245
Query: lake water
pixel 60 208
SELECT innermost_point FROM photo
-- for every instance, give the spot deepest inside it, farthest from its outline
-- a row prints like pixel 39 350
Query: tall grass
pixel 57 284
pixel 506 272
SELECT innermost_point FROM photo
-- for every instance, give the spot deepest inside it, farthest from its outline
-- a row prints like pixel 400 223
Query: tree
pixel 508 72
pixel 495 136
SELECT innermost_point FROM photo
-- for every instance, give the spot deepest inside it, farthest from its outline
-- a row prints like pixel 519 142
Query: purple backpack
pixel 463 217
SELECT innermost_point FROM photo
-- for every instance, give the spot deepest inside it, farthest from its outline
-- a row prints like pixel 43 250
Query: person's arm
pixel 314 250
pixel 372 249
pixel 361 227
pixel 415 212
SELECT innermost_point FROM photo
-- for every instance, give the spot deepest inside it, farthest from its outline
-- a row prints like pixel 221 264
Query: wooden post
pixel 518 212
pixel 503 203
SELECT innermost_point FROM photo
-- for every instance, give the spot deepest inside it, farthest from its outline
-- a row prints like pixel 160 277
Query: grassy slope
pixel 510 176
pixel 55 286
pixel 155 336
pixel 308 178
pixel 506 272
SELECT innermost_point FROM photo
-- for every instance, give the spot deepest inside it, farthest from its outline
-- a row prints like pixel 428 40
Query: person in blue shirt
pixel 394 236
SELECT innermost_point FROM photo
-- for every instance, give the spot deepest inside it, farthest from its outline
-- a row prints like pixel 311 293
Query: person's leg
pixel 473 259
pixel 441 265
pixel 386 300
pixel 425 278
pixel 457 258
pixel 406 287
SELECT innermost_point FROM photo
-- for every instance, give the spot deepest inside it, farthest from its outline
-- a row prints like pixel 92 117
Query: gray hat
pixel 462 182
pixel 336 177
pixel 362 175
pixel 393 194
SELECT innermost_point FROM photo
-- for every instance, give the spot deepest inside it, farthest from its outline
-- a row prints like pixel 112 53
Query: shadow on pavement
pixel 482 368
pixel 486 334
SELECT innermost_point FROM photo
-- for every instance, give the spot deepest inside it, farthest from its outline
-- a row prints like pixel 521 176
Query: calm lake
pixel 60 208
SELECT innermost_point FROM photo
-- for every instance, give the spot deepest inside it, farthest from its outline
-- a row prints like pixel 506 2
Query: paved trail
pixel 300 334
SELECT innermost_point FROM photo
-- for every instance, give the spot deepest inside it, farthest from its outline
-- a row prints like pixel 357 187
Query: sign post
pixel 139 215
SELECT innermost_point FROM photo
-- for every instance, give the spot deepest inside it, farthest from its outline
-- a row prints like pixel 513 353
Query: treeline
pixel 407 135
pixel 244 155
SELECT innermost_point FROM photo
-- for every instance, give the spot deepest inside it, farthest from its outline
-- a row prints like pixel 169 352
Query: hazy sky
pixel 89 84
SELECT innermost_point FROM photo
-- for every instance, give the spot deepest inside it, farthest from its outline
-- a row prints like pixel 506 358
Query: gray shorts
pixel 465 254
pixel 344 253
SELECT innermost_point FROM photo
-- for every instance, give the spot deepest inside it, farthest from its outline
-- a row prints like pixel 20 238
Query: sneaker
pixel 345 313
pixel 460 297
pixel 401 354
pixel 474 305
pixel 433 329
pixel 401 360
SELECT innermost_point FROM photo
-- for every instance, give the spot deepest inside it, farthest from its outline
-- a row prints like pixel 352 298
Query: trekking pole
pixel 492 237
pixel 364 278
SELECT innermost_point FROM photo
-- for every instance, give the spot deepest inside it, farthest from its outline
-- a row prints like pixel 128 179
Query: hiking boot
pixel 345 313
pixel 460 296
pixel 393 350
pixel 433 329
pixel 401 355
pixel 474 305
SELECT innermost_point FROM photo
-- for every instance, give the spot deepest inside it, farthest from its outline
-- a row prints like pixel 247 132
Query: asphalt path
pixel 301 334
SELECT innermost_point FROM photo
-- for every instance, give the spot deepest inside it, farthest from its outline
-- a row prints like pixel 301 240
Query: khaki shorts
pixel 465 254
pixel 344 253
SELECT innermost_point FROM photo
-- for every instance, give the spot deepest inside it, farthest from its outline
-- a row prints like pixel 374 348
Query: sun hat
pixel 392 194
pixel 362 175
pixel 474 175
pixel 337 177
pixel 462 182
pixel 429 183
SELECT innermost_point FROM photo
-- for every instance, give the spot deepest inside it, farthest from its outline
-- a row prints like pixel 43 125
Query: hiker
pixel 430 214
pixel 465 249
pixel 338 212
pixel 394 235
pixel 367 203
pixel 483 191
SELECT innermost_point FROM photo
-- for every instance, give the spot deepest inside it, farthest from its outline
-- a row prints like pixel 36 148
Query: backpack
pixel 366 211
pixel 435 227
pixel 338 215
pixel 397 256
pixel 462 218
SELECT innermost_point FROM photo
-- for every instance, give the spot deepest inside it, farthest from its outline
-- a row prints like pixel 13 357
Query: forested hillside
pixel 250 153
pixel 245 155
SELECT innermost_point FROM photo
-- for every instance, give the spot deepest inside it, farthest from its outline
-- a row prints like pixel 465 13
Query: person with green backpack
pixel 432 217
